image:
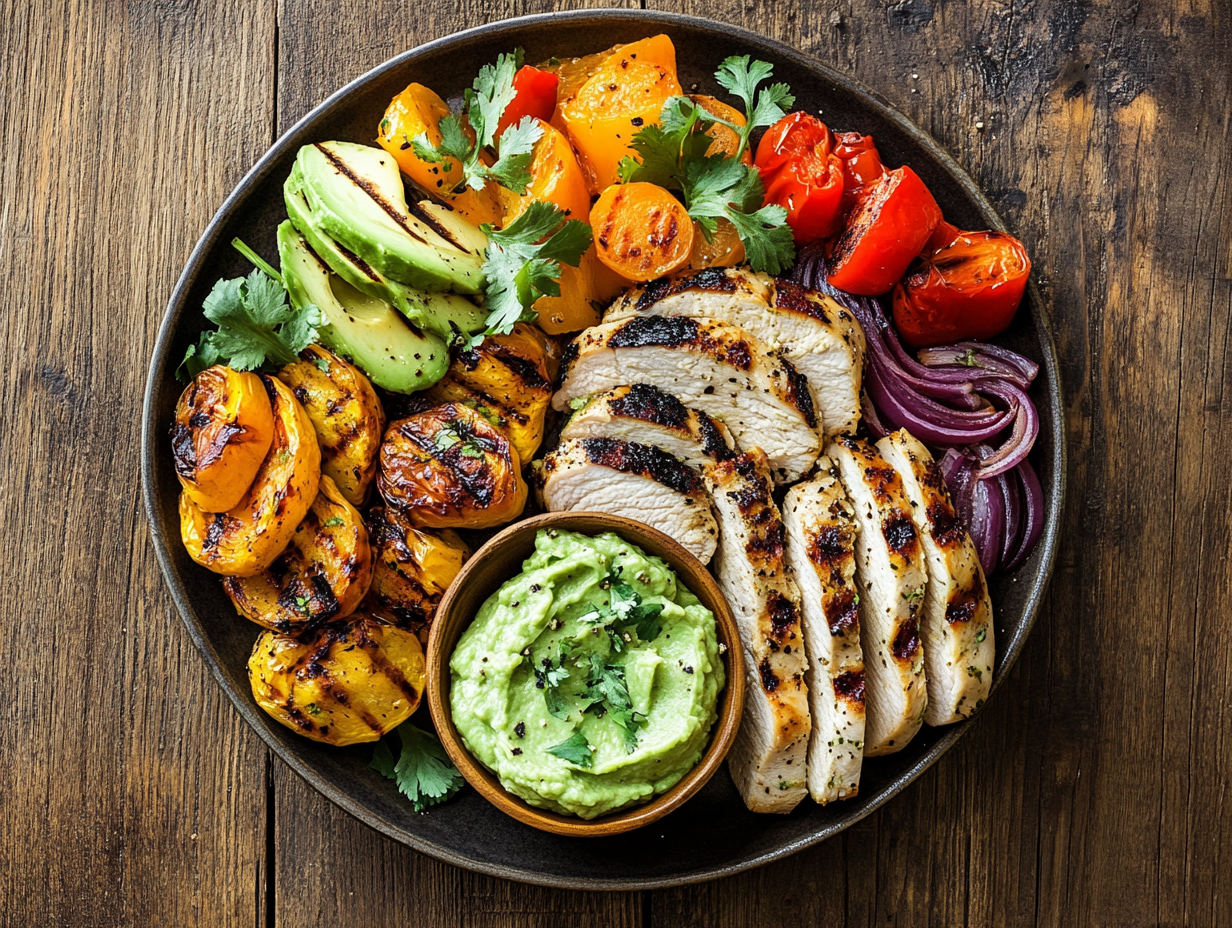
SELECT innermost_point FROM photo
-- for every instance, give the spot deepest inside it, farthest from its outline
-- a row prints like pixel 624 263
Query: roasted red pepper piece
pixel 536 96
pixel 965 286
pixel 801 173
pixel 888 228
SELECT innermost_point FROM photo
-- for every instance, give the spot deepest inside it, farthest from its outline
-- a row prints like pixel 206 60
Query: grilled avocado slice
pixel 356 197
pixel 392 351
pixel 441 311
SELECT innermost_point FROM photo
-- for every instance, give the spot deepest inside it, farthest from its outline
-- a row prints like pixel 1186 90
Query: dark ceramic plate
pixel 712 835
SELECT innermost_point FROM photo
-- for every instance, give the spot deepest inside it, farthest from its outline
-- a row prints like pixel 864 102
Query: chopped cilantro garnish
pixel 524 263
pixel 485 102
pixel 256 327
pixel 574 750
pixel 713 187
pixel 424 773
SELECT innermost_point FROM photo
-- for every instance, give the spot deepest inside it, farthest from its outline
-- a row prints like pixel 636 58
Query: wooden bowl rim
pixel 447 629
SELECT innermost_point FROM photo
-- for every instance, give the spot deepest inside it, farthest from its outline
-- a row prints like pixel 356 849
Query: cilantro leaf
pixel 423 771
pixel 644 622
pixel 740 76
pixel 574 750
pixel 606 684
pixel 722 188
pixel 256 327
pixel 484 103
pixel 521 266
pixel 548 677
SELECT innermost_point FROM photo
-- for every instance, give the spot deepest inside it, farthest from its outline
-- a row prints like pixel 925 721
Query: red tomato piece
pixel 862 166
pixel 888 228
pixel 966 285
pixel 801 174
pixel 536 96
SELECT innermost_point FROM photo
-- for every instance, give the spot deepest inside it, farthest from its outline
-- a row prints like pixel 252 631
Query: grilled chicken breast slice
pixel 821 539
pixel 647 415
pixel 712 366
pixel 633 480
pixel 956 626
pixel 890 579
pixel 814 333
pixel 768 760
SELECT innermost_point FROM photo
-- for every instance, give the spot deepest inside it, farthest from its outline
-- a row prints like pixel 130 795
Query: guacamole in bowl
pixel 589 682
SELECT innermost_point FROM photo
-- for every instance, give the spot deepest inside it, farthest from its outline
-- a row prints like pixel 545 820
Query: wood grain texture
pixel 1092 790
pixel 131 792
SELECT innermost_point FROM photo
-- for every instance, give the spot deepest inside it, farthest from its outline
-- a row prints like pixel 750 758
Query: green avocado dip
pixel 588 682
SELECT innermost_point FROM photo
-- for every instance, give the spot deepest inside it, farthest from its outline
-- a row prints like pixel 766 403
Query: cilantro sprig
pixel 423 771
pixel 607 692
pixel 484 103
pixel 575 750
pixel 713 187
pixel 524 263
pixel 256 327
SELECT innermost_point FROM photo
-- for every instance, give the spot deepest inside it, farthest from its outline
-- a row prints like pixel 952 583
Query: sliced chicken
pixel 890 579
pixel 957 621
pixel 646 414
pixel 821 539
pixel 814 333
pixel 712 366
pixel 629 479
pixel 768 760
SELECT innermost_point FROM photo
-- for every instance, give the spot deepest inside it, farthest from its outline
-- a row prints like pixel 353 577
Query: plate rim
pixel 209 239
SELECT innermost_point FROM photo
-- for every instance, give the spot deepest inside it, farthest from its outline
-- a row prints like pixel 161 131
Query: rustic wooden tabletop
pixel 1092 791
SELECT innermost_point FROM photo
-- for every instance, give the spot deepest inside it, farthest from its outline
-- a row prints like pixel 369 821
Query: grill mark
pixel 964 603
pixel 739 355
pixel 402 319
pixel 831 546
pixel 473 475
pixel 433 223
pixel 849 687
pixel 947 529
pixel 711 279
pixel 713 442
pixel 842 612
pixel 182 451
pixel 899 532
pixel 630 457
pixel 794 298
pixel 359 263
pixel 367 187
pixel 784 617
pixel 666 331
pixel 907 640
pixel 798 393
pixel 881 480
pixel 650 404
pixel 214 534
pixel 769 681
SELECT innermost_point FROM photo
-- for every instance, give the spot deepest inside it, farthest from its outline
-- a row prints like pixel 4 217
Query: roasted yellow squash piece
pixel 506 381
pixel 223 429
pixel 323 574
pixel 449 467
pixel 346 414
pixel 345 682
pixel 411 569
pixel 246 539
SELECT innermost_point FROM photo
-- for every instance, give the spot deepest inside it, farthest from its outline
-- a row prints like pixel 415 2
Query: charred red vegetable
pixel 802 174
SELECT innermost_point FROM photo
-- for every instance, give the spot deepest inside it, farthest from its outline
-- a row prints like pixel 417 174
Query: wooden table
pixel 1092 791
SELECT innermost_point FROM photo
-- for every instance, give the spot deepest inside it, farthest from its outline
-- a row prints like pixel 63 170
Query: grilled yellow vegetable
pixel 345 682
pixel 245 539
pixel 449 467
pixel 505 380
pixel 323 574
pixel 411 569
pixel 223 428
pixel 346 414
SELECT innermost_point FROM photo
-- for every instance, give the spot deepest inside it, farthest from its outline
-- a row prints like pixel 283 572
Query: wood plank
pixel 385 883
pixel 132 793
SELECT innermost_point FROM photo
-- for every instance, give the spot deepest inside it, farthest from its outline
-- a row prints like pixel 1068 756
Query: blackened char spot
pixel 769 681
pixel 947 528
pixel 850 686
pixel 799 395
pixel 791 296
pixel 630 457
pixel 650 404
pixel 842 611
pixel 783 615
pixel 739 355
pixel 525 368
pixel 831 546
pixel 213 534
pixel 899 533
pixel 642 331
pixel 963 603
pixel 712 279
pixel 182 451
pixel 713 442
pixel 907 642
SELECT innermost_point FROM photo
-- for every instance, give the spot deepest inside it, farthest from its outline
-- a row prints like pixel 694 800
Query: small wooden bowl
pixel 500 559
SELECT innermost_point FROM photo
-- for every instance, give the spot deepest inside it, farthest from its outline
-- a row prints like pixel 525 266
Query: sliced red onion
pixel 973 362
pixel 1032 512
pixel 1013 515
pixel 987 526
